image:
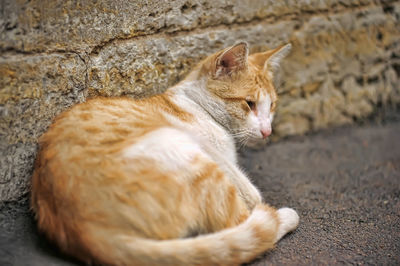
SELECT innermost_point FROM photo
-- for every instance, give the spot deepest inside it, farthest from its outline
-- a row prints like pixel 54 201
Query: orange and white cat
pixel 120 181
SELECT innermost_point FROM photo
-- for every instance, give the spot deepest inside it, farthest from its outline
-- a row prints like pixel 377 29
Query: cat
pixel 121 181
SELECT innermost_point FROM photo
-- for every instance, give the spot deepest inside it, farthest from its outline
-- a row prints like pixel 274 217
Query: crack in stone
pixel 304 15
pixel 271 18
pixel 87 63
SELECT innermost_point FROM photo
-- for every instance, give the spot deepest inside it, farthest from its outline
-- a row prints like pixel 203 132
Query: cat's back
pixel 89 138
pixel 107 123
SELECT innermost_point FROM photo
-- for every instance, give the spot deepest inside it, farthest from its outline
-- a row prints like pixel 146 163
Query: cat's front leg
pixel 250 194
pixel 247 191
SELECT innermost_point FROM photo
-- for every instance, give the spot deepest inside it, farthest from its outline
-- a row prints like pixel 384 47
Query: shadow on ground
pixel 344 183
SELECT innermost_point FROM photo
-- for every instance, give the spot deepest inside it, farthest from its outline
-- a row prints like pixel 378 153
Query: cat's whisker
pixel 244 138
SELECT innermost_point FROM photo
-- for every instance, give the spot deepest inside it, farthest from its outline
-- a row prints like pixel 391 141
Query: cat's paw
pixel 289 220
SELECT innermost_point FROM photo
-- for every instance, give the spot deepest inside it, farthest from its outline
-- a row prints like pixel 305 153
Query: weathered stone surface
pixel 339 62
pixel 345 60
pixel 37 88
pixel 83 25
pixel 144 67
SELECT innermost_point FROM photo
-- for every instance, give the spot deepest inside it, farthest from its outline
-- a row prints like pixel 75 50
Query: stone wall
pixel 55 53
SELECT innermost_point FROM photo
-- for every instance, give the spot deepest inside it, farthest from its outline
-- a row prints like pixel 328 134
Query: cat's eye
pixel 251 104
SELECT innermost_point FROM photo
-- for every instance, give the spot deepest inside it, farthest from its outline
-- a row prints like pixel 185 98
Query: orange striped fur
pixel 119 181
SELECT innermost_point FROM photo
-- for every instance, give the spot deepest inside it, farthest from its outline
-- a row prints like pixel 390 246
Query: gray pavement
pixel 344 183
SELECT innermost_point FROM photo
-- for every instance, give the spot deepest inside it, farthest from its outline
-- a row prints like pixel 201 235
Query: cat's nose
pixel 265 132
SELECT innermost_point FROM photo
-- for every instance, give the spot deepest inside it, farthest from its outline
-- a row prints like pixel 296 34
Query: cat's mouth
pixel 255 143
pixel 252 140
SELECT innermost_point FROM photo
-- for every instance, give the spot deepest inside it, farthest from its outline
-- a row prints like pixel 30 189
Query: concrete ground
pixel 344 183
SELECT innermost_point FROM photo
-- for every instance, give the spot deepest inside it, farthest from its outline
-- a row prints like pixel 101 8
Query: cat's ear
pixel 275 57
pixel 231 60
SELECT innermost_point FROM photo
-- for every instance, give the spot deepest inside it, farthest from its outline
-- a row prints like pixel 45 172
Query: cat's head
pixel 244 85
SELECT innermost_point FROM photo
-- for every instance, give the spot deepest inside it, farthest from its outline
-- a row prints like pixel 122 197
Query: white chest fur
pixel 174 147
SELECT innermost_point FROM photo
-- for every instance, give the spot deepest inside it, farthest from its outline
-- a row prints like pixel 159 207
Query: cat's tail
pixel 233 246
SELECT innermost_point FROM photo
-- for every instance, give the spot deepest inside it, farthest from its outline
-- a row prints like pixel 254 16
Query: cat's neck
pixel 196 91
pixel 212 121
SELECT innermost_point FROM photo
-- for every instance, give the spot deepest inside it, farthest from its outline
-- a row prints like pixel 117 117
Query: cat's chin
pixel 256 143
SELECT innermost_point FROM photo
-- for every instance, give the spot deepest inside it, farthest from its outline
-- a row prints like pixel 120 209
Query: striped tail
pixel 232 246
